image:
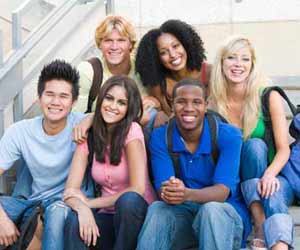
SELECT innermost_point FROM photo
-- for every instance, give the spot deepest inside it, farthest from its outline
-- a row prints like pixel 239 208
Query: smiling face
pixel 171 52
pixel 56 102
pixel 189 107
pixel 114 105
pixel 237 65
pixel 115 48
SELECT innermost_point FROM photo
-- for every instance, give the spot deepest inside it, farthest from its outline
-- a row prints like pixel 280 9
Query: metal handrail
pixel 1 49
pixel 37 34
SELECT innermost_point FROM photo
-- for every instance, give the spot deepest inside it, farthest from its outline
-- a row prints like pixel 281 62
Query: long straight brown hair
pixel 120 130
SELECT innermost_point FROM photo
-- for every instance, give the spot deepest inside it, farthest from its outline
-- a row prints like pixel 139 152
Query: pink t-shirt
pixel 113 179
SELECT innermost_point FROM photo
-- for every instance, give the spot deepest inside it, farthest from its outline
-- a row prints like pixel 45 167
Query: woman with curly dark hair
pixel 165 55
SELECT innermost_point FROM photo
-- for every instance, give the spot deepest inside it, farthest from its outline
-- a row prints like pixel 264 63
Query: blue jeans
pixel 118 231
pixel 278 225
pixel 55 213
pixel 210 226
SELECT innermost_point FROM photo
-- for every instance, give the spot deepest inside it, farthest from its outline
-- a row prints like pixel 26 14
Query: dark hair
pixel 148 63
pixel 189 82
pixel 121 129
pixel 59 70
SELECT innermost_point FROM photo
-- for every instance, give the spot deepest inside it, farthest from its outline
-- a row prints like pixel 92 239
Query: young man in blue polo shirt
pixel 45 143
pixel 203 207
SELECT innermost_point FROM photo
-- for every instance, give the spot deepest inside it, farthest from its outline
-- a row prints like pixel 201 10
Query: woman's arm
pixel 158 94
pixel 76 175
pixel 88 228
pixel 137 175
pixel 269 183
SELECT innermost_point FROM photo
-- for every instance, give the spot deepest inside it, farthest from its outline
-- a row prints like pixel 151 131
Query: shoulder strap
pixel 266 96
pixel 203 74
pixel 174 156
pixel 214 130
pixel 97 80
pixel 265 102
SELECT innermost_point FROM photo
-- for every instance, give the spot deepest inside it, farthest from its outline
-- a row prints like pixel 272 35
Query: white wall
pixel 272 25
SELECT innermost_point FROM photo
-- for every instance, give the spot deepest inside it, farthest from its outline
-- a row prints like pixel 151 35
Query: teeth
pixel 176 62
pixel 53 110
pixel 188 118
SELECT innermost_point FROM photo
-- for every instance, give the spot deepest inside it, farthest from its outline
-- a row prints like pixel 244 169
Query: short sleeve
pixel 135 132
pixel 227 169
pixel 10 148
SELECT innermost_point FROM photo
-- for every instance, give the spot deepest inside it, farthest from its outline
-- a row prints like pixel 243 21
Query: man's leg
pixel 218 226
pixel 54 217
pixel 14 208
pixel 131 209
pixel 168 227
pixel 278 226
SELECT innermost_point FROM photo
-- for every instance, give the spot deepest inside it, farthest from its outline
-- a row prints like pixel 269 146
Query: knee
pixel 253 158
pixel 160 211
pixel 275 205
pixel 210 210
pixel 57 210
pixel 131 202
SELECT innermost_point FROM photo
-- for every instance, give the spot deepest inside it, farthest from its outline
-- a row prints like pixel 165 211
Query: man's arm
pixel 8 231
pixel 174 191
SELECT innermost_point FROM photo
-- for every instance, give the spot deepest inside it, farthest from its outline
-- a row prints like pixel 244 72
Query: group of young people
pixel 198 186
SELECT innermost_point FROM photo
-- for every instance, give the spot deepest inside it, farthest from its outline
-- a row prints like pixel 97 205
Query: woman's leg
pixel 278 227
pixel 105 223
pixel 253 165
pixel 131 209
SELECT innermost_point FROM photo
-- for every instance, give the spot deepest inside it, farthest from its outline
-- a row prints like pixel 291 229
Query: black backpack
pixel 292 168
pixel 96 83
pixel 213 118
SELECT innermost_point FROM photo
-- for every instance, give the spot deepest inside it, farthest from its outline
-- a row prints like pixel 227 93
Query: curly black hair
pixel 148 63
pixel 59 70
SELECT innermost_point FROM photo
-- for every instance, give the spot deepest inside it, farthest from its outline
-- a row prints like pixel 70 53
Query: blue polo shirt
pixel 198 169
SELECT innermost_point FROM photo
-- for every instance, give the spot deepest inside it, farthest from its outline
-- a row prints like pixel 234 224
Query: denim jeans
pixel 118 231
pixel 55 213
pixel 278 225
pixel 210 226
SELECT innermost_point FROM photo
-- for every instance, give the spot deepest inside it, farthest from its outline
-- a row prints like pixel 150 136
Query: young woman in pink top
pixel 113 220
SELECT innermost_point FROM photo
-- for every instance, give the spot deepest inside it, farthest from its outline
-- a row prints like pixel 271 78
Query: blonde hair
pixel 124 27
pixel 255 82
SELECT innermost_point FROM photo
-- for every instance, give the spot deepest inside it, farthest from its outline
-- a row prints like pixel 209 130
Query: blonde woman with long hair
pixel 236 87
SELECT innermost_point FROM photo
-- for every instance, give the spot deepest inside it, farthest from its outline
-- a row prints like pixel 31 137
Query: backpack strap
pixel 214 129
pixel 265 102
pixel 203 74
pixel 28 228
pixel 174 155
pixel 266 99
pixel 96 84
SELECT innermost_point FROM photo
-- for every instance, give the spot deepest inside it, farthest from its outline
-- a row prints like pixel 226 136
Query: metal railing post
pixel 1 49
pixel 16 30
pixel 18 107
pixel 109 6
pixel 2 179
